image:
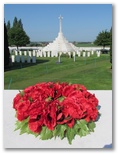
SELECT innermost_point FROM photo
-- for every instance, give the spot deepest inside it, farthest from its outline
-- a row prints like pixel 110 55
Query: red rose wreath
pixel 56 109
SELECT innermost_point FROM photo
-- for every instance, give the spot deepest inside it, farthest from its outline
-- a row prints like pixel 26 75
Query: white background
pixel 114 80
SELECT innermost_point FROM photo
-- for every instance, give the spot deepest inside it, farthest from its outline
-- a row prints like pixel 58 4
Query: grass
pixel 85 45
pixel 94 72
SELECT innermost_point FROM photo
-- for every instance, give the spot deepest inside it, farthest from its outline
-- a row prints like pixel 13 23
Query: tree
pixel 6 49
pixel 20 24
pixel 103 39
pixel 8 26
pixel 17 36
pixel 15 22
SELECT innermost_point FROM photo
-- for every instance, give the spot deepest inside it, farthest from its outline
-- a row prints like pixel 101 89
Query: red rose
pixel 16 101
pixel 35 126
pixel 65 119
pixel 67 90
pixel 28 89
pixel 23 110
pixel 50 118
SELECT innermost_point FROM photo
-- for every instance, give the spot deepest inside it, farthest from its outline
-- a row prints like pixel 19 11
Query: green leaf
pixel 82 132
pixel 62 132
pixel 83 121
pixel 18 125
pixel 46 133
pixel 23 129
pixel 81 128
pixel 57 130
pixel 70 134
pixel 22 126
pixel 91 126
pixel 76 127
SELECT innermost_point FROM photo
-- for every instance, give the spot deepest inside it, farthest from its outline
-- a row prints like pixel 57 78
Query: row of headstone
pixel 88 53
pixel 39 53
pixel 22 59
pixel 30 53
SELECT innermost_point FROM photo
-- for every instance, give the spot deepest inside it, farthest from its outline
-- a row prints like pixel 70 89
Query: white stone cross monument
pixel 60 44
pixel 60 18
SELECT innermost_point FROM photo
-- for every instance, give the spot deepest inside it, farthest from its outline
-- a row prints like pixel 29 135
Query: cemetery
pixel 76 64
pixel 55 49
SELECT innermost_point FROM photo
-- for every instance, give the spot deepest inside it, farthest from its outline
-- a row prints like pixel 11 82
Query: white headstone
pixel 20 52
pixel 84 54
pixel 48 53
pixel 30 54
pixel 98 53
pixel 92 52
pixel 88 54
pixel 22 59
pixel 17 58
pixel 16 52
pixel 13 58
pixel 33 59
pixel 73 53
pixel 37 54
pixel 25 53
pixel 34 53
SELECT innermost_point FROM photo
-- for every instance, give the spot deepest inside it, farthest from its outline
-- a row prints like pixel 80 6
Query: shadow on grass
pixel 24 65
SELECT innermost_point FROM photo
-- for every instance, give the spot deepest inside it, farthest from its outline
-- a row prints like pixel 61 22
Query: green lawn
pixel 94 72
pixel 85 45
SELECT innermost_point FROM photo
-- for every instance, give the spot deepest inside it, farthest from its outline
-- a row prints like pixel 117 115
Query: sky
pixel 81 22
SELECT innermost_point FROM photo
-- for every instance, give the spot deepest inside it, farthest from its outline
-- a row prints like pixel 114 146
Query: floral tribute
pixel 51 109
